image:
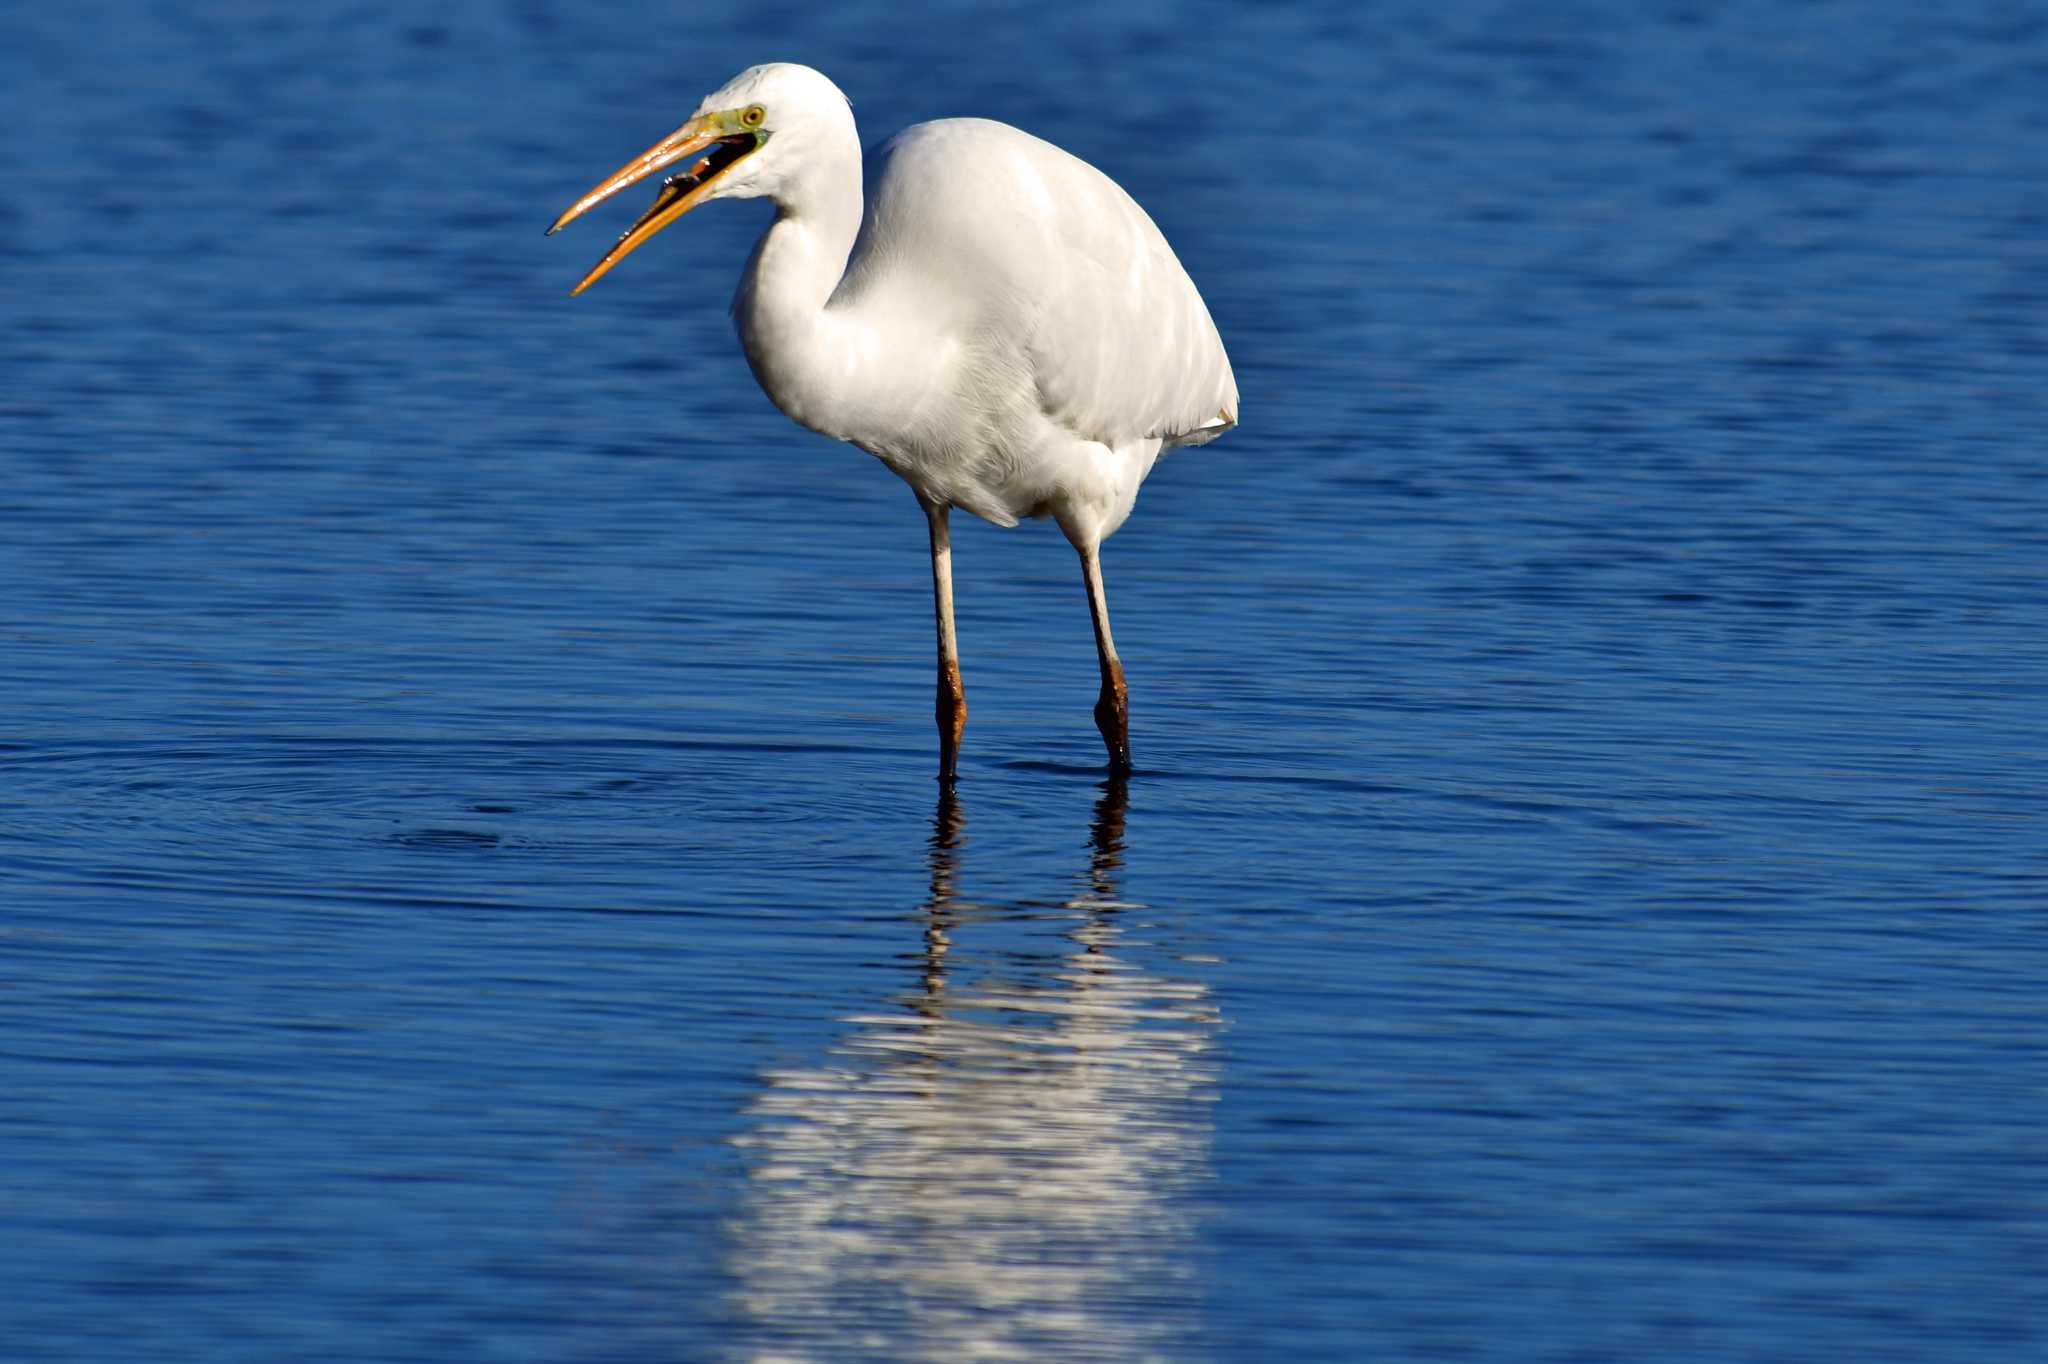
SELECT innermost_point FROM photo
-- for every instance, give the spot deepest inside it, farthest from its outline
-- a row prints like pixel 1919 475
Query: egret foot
pixel 952 716
pixel 1113 718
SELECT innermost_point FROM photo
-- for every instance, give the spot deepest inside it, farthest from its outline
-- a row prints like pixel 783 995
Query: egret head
pixel 748 138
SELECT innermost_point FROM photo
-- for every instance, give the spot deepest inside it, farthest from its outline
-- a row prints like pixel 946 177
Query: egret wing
pixel 1061 266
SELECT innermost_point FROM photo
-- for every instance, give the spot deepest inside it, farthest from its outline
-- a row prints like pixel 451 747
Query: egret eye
pixel 753 115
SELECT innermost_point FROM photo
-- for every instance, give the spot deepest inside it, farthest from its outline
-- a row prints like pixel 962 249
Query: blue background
pixel 473 885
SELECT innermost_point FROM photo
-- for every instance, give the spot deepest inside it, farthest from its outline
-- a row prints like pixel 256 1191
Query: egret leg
pixel 952 696
pixel 1112 708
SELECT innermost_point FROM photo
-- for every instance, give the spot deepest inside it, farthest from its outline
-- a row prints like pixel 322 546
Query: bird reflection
pixel 1006 1163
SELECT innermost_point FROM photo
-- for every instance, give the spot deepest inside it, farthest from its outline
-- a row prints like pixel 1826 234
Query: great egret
pixel 999 323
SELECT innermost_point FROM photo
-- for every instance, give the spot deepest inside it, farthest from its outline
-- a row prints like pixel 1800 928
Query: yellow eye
pixel 753 115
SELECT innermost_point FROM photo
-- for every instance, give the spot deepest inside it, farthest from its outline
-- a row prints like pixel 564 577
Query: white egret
pixel 998 322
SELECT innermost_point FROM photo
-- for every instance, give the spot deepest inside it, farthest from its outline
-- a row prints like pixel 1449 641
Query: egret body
pixel 994 319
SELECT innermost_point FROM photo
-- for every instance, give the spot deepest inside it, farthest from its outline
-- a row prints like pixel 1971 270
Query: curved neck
pixel 795 346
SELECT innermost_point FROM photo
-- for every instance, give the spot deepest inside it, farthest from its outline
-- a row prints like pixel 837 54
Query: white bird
pixel 998 322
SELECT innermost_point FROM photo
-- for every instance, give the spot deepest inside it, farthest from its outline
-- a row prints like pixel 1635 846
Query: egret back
pixel 1047 263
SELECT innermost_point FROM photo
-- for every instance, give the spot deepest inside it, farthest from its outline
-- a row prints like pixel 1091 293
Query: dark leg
pixel 952 696
pixel 1112 708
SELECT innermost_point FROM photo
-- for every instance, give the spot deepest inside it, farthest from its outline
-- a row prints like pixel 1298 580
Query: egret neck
pixel 804 355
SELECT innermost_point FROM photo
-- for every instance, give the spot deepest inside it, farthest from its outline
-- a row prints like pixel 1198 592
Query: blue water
pixel 473 883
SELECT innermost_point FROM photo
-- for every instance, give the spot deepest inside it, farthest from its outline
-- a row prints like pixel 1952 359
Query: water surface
pixel 473 882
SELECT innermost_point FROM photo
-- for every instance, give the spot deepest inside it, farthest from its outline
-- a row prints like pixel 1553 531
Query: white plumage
pixel 995 319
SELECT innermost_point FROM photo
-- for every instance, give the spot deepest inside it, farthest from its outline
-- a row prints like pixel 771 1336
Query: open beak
pixel 709 134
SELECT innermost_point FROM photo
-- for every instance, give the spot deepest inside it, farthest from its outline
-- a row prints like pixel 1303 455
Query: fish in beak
pixel 723 139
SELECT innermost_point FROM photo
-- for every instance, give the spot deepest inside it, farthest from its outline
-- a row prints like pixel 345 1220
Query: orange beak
pixel 708 133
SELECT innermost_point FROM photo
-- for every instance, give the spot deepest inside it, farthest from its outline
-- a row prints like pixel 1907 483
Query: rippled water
pixel 473 884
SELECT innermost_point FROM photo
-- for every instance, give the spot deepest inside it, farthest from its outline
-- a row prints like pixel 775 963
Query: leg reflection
pixel 1001 1158
pixel 943 861
pixel 1106 838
